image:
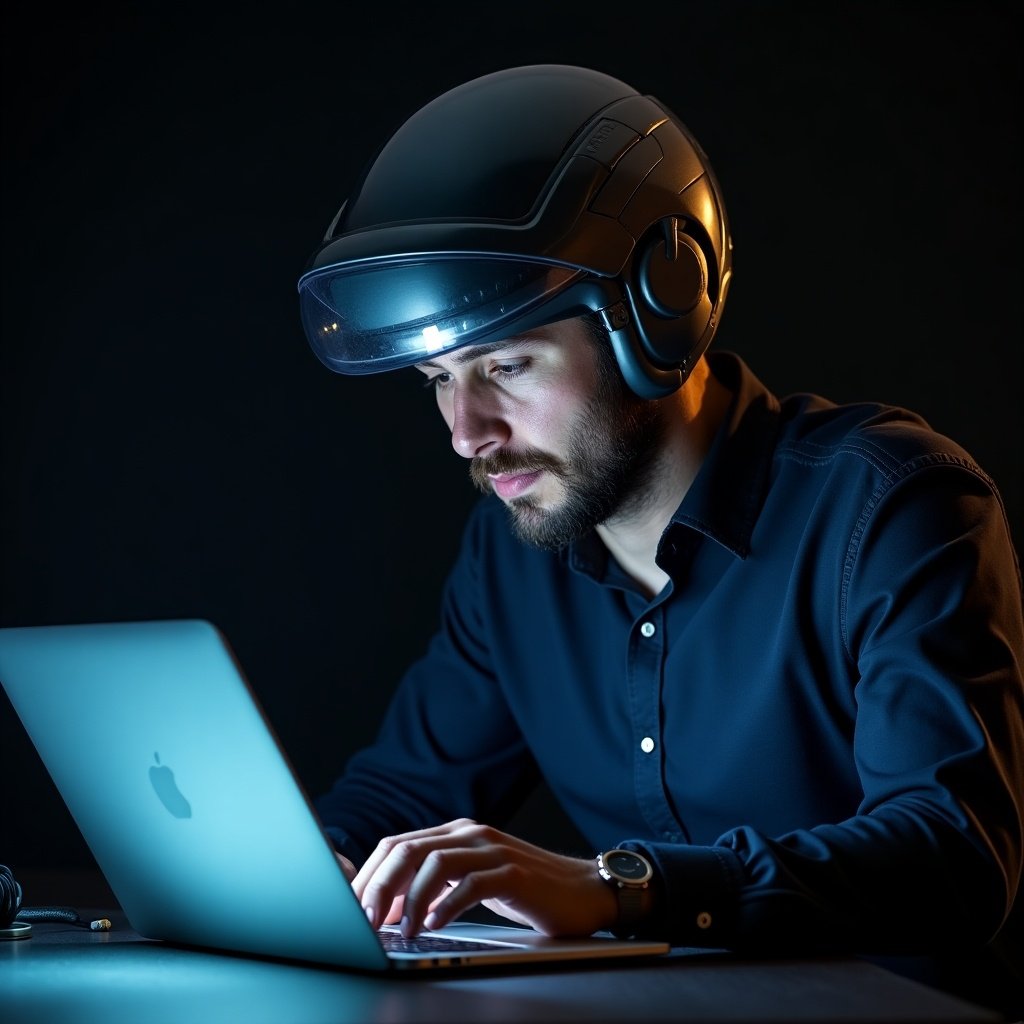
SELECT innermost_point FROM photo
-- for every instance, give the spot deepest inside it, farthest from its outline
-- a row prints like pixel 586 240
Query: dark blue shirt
pixel 815 730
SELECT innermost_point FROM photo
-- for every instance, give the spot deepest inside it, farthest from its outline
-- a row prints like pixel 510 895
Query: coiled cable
pixel 16 920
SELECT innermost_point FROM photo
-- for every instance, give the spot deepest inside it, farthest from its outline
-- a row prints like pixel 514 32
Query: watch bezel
pixel 609 874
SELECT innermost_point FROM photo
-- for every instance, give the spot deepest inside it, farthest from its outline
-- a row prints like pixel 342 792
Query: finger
pixel 398 860
pixel 500 881
pixel 396 911
pixel 390 843
pixel 346 866
pixel 442 872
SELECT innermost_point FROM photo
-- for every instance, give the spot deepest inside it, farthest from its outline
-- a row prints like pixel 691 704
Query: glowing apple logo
pixel 166 788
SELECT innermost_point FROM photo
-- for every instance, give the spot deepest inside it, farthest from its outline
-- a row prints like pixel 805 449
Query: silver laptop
pixel 159 748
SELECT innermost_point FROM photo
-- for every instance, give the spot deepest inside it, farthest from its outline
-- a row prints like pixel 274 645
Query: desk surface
pixel 64 975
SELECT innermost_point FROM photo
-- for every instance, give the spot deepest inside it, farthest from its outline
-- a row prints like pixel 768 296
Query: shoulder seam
pixel 900 471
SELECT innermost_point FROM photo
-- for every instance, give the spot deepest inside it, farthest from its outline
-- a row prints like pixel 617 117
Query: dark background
pixel 172 448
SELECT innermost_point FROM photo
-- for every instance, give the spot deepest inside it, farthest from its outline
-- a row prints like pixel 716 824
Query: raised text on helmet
pixel 600 136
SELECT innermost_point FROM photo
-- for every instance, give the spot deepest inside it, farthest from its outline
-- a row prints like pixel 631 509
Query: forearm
pixel 888 882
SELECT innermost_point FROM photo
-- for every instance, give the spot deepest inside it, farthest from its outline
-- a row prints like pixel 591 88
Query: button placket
pixel 647 657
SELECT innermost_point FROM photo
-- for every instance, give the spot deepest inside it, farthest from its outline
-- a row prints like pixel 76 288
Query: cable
pixel 66 914
pixel 16 920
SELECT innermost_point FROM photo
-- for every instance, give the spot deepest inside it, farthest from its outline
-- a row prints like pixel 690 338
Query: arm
pixel 932 858
pixel 448 746
pixel 932 628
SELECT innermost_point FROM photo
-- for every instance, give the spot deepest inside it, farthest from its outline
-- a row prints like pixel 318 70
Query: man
pixel 766 654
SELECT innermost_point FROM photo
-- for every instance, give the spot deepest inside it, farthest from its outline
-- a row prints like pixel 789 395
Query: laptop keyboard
pixel 395 942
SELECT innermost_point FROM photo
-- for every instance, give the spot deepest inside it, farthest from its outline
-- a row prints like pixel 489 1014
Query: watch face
pixel 627 866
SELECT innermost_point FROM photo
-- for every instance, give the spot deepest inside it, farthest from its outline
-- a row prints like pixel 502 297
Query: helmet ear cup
pixel 670 298
pixel 672 274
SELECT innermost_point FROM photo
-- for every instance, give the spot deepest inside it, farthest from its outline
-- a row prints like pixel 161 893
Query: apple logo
pixel 166 788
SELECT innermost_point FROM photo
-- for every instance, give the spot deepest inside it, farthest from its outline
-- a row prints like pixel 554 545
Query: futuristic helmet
pixel 520 198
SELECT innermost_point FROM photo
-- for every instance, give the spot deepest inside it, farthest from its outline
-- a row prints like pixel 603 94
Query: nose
pixel 476 421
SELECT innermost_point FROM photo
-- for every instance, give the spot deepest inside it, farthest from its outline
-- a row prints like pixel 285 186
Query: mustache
pixel 530 460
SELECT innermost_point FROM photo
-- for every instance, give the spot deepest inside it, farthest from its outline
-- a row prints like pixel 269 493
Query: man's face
pixel 550 427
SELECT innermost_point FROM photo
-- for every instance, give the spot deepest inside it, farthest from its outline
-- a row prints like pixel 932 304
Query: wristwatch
pixel 630 874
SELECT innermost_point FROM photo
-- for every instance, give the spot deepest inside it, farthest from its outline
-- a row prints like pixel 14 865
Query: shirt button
pixel 647 629
pixel 703 919
pixel 647 744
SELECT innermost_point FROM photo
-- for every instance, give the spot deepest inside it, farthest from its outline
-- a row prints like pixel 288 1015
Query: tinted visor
pixel 369 317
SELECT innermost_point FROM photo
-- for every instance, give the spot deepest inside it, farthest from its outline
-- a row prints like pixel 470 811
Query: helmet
pixel 519 198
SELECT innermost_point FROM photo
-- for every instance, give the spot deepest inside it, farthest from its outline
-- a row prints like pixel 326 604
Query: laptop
pixel 193 813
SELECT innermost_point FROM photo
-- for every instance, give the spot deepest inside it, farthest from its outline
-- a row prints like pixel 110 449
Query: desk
pixel 66 975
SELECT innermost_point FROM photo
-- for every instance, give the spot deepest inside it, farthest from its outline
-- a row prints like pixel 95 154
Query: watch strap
pixel 634 907
pixel 635 899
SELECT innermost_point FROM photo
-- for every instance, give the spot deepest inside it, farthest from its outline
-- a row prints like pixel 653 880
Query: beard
pixel 610 457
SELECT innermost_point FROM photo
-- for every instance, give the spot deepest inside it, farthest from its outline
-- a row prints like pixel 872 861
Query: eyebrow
pixel 466 355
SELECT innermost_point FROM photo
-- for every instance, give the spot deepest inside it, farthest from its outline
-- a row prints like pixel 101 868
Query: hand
pixel 346 865
pixel 426 879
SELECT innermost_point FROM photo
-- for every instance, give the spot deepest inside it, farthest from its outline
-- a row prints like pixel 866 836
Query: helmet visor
pixel 373 316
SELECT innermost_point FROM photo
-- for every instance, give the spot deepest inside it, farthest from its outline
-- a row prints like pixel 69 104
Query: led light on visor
pixel 370 317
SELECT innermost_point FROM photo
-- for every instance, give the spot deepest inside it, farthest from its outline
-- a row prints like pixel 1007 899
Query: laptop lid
pixel 176 780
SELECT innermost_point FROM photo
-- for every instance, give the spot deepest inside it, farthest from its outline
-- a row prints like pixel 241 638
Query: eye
pixel 511 369
pixel 438 382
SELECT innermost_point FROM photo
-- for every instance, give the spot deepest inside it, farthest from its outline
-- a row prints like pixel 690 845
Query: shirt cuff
pixel 696 893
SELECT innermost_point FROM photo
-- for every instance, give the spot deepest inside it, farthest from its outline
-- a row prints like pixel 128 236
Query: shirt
pixel 815 731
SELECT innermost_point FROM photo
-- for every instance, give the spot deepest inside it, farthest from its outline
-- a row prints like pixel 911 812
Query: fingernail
pixel 369 913
pixel 430 922
pixel 406 928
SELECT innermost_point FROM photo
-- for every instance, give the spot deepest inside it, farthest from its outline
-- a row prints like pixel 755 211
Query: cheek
pixel 445 409
pixel 549 418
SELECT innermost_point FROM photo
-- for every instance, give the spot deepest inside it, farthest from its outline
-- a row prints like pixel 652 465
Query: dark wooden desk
pixel 66 975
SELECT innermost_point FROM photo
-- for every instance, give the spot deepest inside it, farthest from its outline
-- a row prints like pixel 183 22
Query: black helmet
pixel 517 199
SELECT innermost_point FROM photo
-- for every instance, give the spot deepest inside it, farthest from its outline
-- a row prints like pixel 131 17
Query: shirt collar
pixel 726 496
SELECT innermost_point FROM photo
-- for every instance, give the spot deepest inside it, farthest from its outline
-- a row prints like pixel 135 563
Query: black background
pixel 172 448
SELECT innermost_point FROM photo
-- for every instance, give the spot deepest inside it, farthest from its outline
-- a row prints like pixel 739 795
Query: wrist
pixel 628 876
